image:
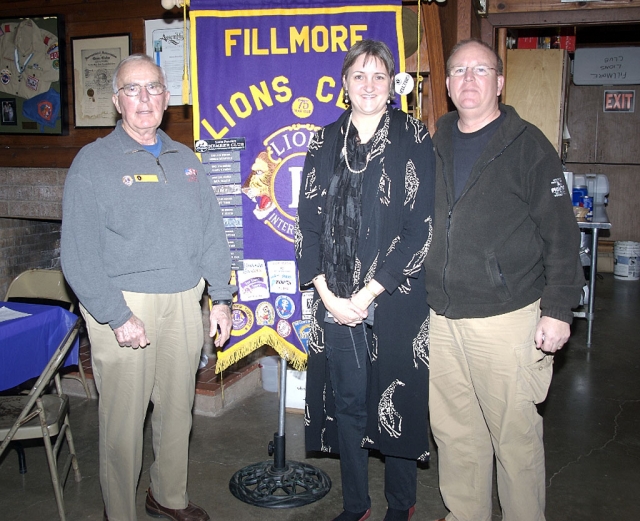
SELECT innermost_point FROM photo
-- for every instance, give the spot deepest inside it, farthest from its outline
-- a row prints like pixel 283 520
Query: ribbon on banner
pixel 266 76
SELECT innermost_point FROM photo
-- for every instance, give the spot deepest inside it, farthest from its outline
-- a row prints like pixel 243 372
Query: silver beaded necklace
pixel 346 157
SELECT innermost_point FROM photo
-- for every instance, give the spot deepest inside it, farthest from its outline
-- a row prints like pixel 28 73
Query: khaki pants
pixel 126 379
pixel 486 376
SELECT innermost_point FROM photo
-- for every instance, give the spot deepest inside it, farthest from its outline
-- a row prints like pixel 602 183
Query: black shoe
pixel 353 516
pixel 399 515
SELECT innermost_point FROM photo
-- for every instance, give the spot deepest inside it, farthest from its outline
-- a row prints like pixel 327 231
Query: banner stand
pixel 280 483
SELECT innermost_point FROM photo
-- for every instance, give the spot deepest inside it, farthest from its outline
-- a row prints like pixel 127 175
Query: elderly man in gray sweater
pixel 141 232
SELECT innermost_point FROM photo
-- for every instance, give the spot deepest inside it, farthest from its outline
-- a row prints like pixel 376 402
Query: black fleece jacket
pixel 511 238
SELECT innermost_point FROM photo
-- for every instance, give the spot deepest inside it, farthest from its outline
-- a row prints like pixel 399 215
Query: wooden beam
pixel 431 22
pixel 526 6
pixel 502 52
pixel 626 15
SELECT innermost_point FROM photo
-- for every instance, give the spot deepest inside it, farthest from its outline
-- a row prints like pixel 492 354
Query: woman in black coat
pixel 363 231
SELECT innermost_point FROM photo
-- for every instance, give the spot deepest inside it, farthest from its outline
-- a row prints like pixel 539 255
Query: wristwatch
pixel 226 302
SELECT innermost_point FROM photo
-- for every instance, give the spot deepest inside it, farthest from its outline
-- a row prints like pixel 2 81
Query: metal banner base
pixel 296 485
pixel 280 483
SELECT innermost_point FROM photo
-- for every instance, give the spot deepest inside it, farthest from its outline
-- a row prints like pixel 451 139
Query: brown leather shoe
pixel 191 513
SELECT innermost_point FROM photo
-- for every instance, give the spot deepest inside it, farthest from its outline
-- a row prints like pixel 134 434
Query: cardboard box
pixel 296 389
pixel 605 262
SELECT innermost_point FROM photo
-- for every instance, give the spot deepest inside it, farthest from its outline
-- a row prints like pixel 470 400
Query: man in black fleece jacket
pixel 503 274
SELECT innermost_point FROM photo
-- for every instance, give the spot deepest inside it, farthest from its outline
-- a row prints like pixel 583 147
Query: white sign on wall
pixel 165 41
pixel 607 66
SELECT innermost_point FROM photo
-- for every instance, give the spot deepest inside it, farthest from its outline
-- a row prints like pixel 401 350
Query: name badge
pixel 146 178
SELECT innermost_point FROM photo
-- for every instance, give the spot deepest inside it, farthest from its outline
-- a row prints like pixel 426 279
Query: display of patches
pixel 283 328
pixel 265 314
pixel 282 277
pixel 242 320
pixel 285 307
pixel 302 329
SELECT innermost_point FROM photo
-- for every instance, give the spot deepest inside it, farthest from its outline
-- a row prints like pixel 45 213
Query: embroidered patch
pixel 45 110
pixel 33 82
pixel 285 306
pixel 242 320
pixel 5 76
pixel 265 314
pixel 53 52
pixel 192 174
pixel 283 328
pixel 558 188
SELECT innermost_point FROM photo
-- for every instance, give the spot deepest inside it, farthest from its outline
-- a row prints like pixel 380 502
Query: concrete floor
pixel 592 438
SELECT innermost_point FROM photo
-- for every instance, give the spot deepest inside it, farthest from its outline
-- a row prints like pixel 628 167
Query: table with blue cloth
pixel 27 343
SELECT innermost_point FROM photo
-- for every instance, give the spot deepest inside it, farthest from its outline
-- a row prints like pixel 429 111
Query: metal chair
pixel 40 286
pixel 40 415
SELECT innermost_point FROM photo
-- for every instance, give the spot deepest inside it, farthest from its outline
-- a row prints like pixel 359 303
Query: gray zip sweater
pixel 511 238
pixel 132 222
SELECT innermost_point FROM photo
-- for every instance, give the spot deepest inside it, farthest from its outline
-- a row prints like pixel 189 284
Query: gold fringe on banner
pixel 264 337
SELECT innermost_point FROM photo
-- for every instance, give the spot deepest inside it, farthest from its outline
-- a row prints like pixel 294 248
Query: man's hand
pixel 220 317
pixel 551 334
pixel 132 333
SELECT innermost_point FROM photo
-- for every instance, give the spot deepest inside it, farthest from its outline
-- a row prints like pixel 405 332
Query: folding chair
pixel 40 415
pixel 39 286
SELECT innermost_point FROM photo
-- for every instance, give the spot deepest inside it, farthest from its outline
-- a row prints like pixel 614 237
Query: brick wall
pixel 30 213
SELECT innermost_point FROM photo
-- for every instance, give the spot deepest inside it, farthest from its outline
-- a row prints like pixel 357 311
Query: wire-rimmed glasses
pixel 133 89
pixel 478 70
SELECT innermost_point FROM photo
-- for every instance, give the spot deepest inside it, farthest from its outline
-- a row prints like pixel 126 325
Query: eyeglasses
pixel 478 70
pixel 133 89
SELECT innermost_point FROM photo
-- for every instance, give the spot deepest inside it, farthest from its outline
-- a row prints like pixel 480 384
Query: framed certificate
pixel 94 62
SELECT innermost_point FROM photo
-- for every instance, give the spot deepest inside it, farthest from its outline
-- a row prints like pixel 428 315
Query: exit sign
pixel 619 100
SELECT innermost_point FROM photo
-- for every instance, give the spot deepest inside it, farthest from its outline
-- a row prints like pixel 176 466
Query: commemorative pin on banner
pixel 266 77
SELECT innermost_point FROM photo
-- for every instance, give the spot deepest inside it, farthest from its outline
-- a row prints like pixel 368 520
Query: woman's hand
pixel 343 310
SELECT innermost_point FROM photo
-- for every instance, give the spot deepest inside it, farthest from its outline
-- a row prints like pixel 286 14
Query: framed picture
pixel 94 62
pixel 9 111
pixel 31 97
pixel 165 42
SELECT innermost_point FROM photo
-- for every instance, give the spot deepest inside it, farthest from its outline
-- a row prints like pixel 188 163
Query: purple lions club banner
pixel 266 76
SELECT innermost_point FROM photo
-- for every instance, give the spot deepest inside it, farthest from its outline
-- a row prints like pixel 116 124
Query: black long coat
pixel 403 162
